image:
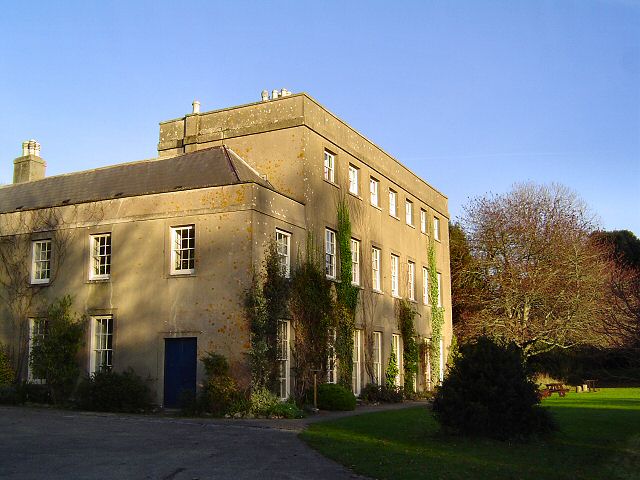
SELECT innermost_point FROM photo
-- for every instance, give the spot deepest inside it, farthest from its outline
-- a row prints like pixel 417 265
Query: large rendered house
pixel 158 253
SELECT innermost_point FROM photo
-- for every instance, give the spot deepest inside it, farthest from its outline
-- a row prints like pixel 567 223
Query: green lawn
pixel 599 438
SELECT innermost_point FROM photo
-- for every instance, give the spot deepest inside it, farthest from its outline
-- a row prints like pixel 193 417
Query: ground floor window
pixel 357 353
pixel 397 349
pixel 283 359
pixel 426 361
pixel 377 358
pixel 37 331
pixel 101 343
pixel 441 359
pixel 332 371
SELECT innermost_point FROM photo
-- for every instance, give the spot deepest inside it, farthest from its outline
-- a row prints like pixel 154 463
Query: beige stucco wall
pixel 232 225
pixel 286 139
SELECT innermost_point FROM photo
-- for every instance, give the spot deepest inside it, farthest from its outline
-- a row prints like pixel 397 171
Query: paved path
pixel 57 444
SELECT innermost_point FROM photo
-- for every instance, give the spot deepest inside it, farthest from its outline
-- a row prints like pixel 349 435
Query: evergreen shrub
pixel 220 391
pixel 373 393
pixel 109 391
pixel 335 397
pixel 488 392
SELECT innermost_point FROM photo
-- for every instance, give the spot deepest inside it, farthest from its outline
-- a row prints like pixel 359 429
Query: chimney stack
pixel 196 106
pixel 30 166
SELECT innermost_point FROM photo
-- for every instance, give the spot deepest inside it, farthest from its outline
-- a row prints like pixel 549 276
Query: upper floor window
pixel 330 253
pixel 329 166
pixel 408 212
pixel 101 343
pixel 377 358
pixel 100 268
pixel 436 228
pixel 355 261
pixel 439 290
pixel 393 203
pixel 423 221
pixel 283 247
pixel 353 179
pixel 183 249
pixel 375 269
pixel 425 286
pixel 374 186
pixel 332 370
pixel 41 261
pixel 394 275
pixel 411 280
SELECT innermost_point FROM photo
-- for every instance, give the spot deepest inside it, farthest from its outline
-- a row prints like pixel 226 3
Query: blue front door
pixel 180 362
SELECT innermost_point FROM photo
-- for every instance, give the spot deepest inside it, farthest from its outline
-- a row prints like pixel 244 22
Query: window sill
pixel 99 280
pixel 393 295
pixel 379 292
pixel 355 195
pixel 40 283
pixel 333 184
pixel 181 275
pixel 411 225
pixel 394 217
pixel 377 207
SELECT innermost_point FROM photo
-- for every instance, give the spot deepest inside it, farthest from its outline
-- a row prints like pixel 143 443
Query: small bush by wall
pixel 382 394
pixel 110 391
pixel 335 397
pixel 6 369
pixel 489 393
pixel 220 391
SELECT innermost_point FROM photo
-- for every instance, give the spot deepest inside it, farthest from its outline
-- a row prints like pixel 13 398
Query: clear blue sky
pixel 473 96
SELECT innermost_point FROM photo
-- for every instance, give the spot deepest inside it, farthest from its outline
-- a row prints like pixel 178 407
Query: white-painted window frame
pixel 397 349
pixel 354 180
pixel 408 212
pixel 329 166
pixel 439 276
pixel 356 380
pixel 355 261
pixel 332 368
pixel 393 203
pixel 423 220
pixel 41 253
pixel 395 273
pixel 283 247
pixel 330 253
pixel 375 269
pixel 374 189
pixel 377 358
pixel 284 359
pixel 101 353
pixel 181 253
pixel 425 286
pixel 411 279
pixel 100 261
pixel 436 228
pixel 37 328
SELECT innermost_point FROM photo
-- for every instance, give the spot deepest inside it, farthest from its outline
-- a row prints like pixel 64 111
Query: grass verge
pixel 599 438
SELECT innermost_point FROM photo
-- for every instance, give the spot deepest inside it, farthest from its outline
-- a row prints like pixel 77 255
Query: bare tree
pixel 539 280
pixel 19 295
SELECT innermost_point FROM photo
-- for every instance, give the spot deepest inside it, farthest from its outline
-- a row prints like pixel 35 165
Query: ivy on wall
pixel 437 314
pixel 346 298
pixel 406 314
pixel 266 304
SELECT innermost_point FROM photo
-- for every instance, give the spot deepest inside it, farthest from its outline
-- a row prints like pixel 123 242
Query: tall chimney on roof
pixel 30 166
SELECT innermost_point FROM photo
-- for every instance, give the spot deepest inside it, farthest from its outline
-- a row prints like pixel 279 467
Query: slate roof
pixel 211 167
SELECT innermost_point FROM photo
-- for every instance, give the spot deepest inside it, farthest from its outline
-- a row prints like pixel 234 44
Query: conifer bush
pixel 488 392
pixel 335 397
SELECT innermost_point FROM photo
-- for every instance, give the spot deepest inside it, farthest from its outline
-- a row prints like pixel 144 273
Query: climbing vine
pixel 437 314
pixel 266 304
pixel 406 314
pixel 312 311
pixel 346 298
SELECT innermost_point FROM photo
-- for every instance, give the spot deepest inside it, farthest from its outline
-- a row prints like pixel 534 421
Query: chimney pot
pixel 196 106
pixel 274 94
pixel 265 95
